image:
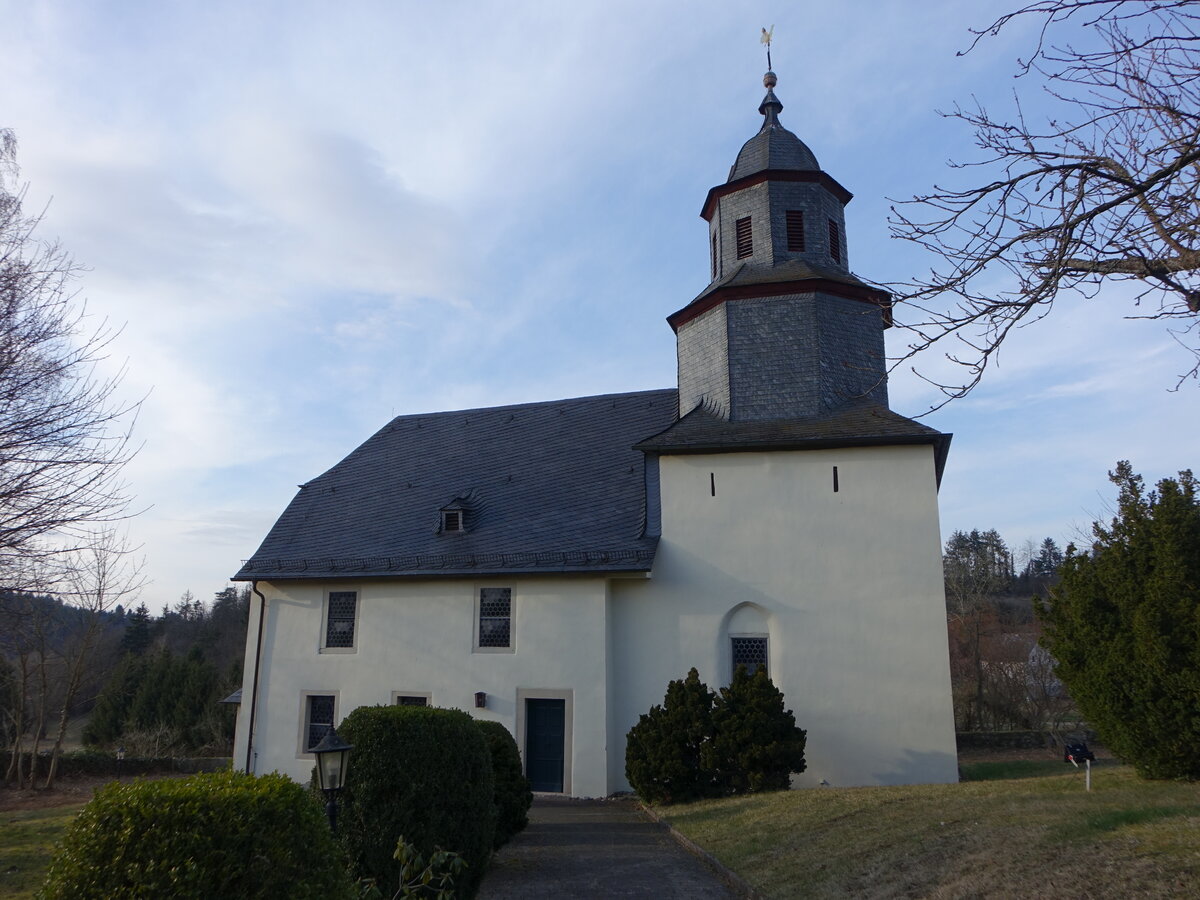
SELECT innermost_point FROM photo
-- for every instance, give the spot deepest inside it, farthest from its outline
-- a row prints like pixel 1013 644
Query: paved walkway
pixel 597 848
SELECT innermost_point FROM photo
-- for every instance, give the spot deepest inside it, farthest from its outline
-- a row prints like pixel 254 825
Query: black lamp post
pixel 333 759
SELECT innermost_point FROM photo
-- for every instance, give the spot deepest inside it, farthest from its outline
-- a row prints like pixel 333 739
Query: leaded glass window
pixel 495 617
pixel 411 700
pixel 339 626
pixel 750 652
pixel 320 719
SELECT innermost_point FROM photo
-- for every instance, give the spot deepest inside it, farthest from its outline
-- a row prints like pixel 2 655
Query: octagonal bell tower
pixel 783 330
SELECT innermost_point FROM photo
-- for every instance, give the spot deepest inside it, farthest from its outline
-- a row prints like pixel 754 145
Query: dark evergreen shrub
pixel 219 835
pixel 756 745
pixel 663 750
pixel 1124 626
pixel 423 774
pixel 513 796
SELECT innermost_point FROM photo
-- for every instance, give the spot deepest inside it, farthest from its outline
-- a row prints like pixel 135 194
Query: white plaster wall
pixel 418 636
pixel 848 583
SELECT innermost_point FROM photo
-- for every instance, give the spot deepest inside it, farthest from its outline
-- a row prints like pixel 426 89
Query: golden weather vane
pixel 766 39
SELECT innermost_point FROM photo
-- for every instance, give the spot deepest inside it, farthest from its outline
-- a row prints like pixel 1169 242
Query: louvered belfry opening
pixel 795 230
pixel 714 256
pixel 745 242
pixel 835 241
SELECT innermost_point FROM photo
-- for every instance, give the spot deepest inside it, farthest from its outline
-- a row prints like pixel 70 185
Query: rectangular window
pixel 495 617
pixel 411 700
pixel 318 719
pixel 835 241
pixel 341 608
pixel 795 230
pixel 750 652
pixel 745 239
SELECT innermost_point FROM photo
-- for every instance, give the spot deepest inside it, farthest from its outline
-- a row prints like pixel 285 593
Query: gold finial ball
pixel 769 80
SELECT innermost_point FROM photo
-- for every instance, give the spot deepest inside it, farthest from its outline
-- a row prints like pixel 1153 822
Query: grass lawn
pixel 27 841
pixel 1028 837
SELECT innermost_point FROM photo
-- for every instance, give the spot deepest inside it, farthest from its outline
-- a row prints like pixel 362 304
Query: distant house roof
pixel 548 487
pixel 860 424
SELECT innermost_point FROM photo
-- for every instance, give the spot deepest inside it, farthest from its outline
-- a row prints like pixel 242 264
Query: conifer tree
pixel 756 745
pixel 1124 625
pixel 663 752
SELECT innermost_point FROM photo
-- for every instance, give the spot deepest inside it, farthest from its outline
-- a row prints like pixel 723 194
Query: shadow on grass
pixel 1022 768
pixel 1119 818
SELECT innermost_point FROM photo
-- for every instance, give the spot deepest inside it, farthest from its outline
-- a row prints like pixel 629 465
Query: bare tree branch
pixel 1108 193
pixel 64 435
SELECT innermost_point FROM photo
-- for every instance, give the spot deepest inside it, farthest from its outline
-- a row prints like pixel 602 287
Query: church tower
pixel 783 330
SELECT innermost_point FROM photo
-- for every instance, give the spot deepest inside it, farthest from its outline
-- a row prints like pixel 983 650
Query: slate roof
pixel 774 147
pixel 545 487
pixel 860 424
pixel 782 272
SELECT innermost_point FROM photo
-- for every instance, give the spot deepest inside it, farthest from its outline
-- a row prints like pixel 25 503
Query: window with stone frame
pixel 341 613
pixel 749 651
pixel 318 719
pixel 412 700
pixel 495 617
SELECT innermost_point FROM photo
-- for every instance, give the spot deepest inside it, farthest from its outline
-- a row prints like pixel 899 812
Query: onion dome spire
pixel 770 108
pixel 773 147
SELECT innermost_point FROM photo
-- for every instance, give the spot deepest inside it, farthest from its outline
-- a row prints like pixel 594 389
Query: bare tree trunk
pixel 979 670
pixel 39 720
pixel 74 679
pixel 98 577
pixel 15 771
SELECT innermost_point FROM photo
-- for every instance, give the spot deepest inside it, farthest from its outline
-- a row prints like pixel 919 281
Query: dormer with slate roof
pixel 783 330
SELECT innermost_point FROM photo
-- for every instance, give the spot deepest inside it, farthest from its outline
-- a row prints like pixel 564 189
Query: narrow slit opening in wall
pixel 835 480
pixel 712 483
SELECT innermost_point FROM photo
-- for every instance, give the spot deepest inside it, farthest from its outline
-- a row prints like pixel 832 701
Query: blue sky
pixel 312 218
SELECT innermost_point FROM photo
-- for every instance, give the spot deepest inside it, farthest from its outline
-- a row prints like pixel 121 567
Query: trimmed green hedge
pixel 218 835
pixel 513 796
pixel 423 774
pixel 76 763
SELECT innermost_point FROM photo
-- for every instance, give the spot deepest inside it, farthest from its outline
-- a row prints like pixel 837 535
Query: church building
pixel 553 565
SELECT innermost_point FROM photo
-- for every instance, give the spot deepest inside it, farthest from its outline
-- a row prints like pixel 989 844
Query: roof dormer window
pixel 452 521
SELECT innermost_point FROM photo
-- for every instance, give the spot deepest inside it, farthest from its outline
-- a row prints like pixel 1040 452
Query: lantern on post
pixel 333 760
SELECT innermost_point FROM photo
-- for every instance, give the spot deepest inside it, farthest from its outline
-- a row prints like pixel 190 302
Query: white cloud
pixel 315 217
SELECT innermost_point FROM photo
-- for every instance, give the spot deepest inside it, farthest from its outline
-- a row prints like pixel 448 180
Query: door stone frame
pixel 566 695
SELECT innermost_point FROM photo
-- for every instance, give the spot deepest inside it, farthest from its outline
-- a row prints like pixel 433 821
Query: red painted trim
pixel 882 299
pixel 746 181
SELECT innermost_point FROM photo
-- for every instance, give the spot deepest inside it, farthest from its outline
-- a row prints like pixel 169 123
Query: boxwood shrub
pixel 423 774
pixel 513 796
pixel 216 835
